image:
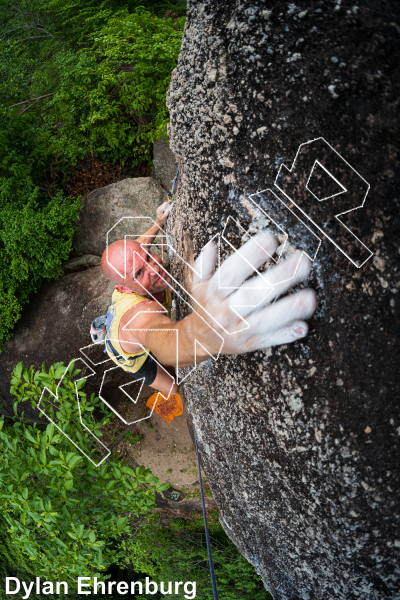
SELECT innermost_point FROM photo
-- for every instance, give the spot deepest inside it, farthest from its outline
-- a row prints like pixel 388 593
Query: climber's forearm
pixel 173 344
pixel 147 238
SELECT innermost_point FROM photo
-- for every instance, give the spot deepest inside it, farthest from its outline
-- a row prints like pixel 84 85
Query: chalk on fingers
pixel 204 264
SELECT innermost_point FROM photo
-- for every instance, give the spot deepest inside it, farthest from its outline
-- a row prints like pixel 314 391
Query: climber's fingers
pixel 204 264
pixel 162 213
pixel 286 335
pixel 295 307
pixel 262 289
pixel 235 269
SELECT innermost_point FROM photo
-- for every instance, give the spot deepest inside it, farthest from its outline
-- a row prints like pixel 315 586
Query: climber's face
pixel 129 264
pixel 147 272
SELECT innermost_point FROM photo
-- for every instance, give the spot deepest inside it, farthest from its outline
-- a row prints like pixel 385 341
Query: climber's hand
pixel 266 323
pixel 162 213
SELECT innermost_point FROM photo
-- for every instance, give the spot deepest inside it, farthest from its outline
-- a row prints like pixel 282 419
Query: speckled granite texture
pixel 300 444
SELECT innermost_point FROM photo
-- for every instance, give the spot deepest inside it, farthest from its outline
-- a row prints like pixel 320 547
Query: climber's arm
pixel 230 316
pixel 147 238
pixel 172 343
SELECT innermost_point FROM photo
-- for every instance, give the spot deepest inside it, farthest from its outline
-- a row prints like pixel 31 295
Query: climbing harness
pixel 171 195
pixel 210 560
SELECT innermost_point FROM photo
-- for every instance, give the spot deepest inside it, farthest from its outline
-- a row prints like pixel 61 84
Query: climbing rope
pixel 171 195
pixel 210 560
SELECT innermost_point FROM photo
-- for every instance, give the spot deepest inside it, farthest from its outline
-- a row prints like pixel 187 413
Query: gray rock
pixel 164 163
pixel 81 263
pixel 304 470
pixel 103 209
pixel 54 326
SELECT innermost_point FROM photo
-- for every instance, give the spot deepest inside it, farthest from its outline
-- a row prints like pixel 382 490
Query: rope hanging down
pixel 210 560
pixel 171 195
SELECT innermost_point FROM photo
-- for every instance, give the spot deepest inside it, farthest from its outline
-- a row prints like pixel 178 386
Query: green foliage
pixel 104 69
pixel 108 70
pixel 35 237
pixel 133 438
pixel 110 99
pixel 10 555
pixel 23 145
pixel 180 554
pixel 76 20
pixel 63 513
pixel 15 69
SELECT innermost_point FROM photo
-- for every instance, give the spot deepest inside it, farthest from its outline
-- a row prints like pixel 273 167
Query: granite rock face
pixel 300 443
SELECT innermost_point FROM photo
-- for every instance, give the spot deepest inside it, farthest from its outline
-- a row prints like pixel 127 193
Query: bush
pixel 24 146
pixel 108 90
pixel 63 513
pixel 35 237
pixel 180 554
pixel 104 68
pixel 110 99
pixel 11 558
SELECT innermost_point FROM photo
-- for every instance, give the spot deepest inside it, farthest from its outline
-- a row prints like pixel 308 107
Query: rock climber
pixel 142 338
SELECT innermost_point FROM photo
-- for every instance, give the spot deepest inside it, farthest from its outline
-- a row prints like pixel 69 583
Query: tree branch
pixel 36 37
pixel 28 107
pixel 16 9
pixel 29 11
pixel 32 100
pixel 28 27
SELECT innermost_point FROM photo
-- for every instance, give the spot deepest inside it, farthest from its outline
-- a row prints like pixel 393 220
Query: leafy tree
pixel 75 20
pixel 180 554
pixel 35 237
pixel 96 76
pixel 23 146
pixel 110 99
pixel 62 512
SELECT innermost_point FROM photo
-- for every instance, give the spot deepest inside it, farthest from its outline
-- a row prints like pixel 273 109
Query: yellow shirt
pixel 120 303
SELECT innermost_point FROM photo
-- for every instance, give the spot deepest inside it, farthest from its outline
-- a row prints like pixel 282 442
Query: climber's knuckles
pixel 242 263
